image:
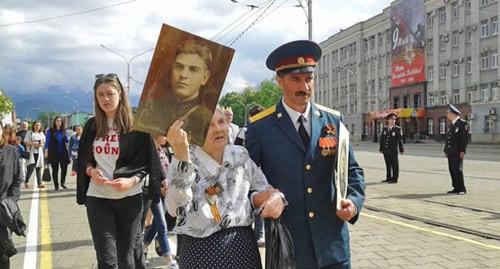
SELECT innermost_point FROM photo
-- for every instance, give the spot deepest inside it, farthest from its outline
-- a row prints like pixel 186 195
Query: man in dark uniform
pixel 295 143
pixel 390 138
pixel 454 149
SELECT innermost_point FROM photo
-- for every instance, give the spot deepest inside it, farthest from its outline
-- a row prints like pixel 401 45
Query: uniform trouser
pixel 391 166
pixel 114 225
pixel 62 160
pixel 455 166
pixel 4 262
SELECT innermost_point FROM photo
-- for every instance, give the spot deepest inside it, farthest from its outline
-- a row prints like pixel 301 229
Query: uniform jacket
pixel 306 179
pixel 458 137
pixel 390 140
pixel 137 157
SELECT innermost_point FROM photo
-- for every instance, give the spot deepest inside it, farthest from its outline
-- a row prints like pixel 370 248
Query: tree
pixel 266 95
pixel 47 118
pixel 6 104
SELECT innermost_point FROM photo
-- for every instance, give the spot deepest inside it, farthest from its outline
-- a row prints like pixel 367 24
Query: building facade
pixel 459 42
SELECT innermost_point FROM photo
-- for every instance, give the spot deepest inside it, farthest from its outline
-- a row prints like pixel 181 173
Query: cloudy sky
pixel 55 44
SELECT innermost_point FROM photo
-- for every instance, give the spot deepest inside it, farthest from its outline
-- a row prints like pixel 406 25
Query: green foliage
pixel 6 104
pixel 266 95
pixel 47 118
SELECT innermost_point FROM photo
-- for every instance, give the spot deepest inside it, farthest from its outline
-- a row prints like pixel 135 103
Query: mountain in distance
pixel 28 106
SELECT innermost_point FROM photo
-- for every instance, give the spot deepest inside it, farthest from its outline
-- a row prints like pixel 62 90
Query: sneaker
pixel 42 186
pixel 73 174
pixel 26 185
pixel 172 265
pixel 145 254
pixel 64 187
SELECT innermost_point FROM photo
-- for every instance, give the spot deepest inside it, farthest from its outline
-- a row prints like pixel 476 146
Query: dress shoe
pixel 392 181
pixel 56 188
pixel 385 180
pixel 41 186
pixel 452 191
pixel 26 185
pixel 64 187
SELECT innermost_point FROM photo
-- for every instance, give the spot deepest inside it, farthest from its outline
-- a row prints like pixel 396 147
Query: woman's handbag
pixel 46 173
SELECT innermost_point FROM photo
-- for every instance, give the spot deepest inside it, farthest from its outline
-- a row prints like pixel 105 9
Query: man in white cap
pixel 454 149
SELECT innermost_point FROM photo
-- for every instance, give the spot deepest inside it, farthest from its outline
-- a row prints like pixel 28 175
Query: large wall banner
pixel 408 53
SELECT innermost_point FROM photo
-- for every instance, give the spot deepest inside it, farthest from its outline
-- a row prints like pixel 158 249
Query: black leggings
pixel 63 161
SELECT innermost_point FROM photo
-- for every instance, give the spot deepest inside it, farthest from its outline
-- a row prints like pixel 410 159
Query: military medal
pixel 330 129
pixel 211 194
pixel 327 145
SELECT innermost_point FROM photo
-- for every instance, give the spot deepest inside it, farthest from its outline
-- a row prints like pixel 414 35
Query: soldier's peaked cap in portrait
pixel 391 116
pixel 294 57
pixel 454 109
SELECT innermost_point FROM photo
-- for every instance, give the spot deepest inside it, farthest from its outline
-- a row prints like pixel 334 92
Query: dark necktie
pixel 302 132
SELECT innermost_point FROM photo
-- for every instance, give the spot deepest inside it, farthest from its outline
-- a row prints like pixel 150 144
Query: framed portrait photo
pixel 184 82
pixel 342 169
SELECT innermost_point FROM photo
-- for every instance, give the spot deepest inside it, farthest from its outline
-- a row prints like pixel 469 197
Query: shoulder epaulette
pixel 268 111
pixel 328 110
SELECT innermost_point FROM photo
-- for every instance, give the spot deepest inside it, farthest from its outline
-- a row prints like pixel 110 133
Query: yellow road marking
pixel 432 231
pixel 45 240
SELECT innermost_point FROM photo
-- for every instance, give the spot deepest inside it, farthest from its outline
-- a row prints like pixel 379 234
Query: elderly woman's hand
pixel 177 138
pixel 273 207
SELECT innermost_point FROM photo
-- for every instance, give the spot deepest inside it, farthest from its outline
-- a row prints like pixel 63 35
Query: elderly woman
pixel 10 179
pixel 212 190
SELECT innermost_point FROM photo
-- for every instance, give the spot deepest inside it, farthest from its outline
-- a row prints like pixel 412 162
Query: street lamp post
pixel 128 61
pixel 76 103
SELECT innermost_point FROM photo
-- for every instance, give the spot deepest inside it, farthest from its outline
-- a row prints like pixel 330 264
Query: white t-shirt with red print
pixel 106 151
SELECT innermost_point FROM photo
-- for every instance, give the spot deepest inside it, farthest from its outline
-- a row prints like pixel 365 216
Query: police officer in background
pixel 390 138
pixel 294 142
pixel 455 149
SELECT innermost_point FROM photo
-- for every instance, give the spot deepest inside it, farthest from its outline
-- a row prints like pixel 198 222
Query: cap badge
pixel 301 60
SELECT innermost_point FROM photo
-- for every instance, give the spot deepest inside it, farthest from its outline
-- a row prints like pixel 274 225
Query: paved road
pixel 412 224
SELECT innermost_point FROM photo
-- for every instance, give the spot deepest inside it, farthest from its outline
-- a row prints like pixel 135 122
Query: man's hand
pixel 348 210
pixel 177 138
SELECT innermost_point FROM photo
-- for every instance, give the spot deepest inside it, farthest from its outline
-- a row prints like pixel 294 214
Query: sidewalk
pixel 404 225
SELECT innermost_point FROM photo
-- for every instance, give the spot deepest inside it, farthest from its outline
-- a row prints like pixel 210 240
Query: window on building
pixel 494 25
pixel 335 55
pixel 430 46
pixel 442 15
pixel 456 38
pixel 494 59
pixel 485 61
pixel 456 69
pixel 468 6
pixel 352 49
pixel 469 65
pixel 430 126
pixel 442 41
pixel 469 34
pixel 488 124
pixel 432 101
pixel 455 10
pixel 442 125
pixel 416 100
pixel 405 101
pixel 469 96
pixel 430 20
pixel 456 98
pixel 372 42
pixel 444 101
pixel 485 2
pixel 442 72
pixel 485 96
pixel 430 73
pixel 485 28
pixel 388 38
pixel 365 44
pixel 380 39
pixel 395 102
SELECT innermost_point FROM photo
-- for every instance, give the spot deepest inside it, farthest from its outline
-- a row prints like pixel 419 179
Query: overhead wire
pixel 66 15
pixel 261 16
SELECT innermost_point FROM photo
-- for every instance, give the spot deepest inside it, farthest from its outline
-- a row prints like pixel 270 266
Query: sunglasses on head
pixel 112 76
